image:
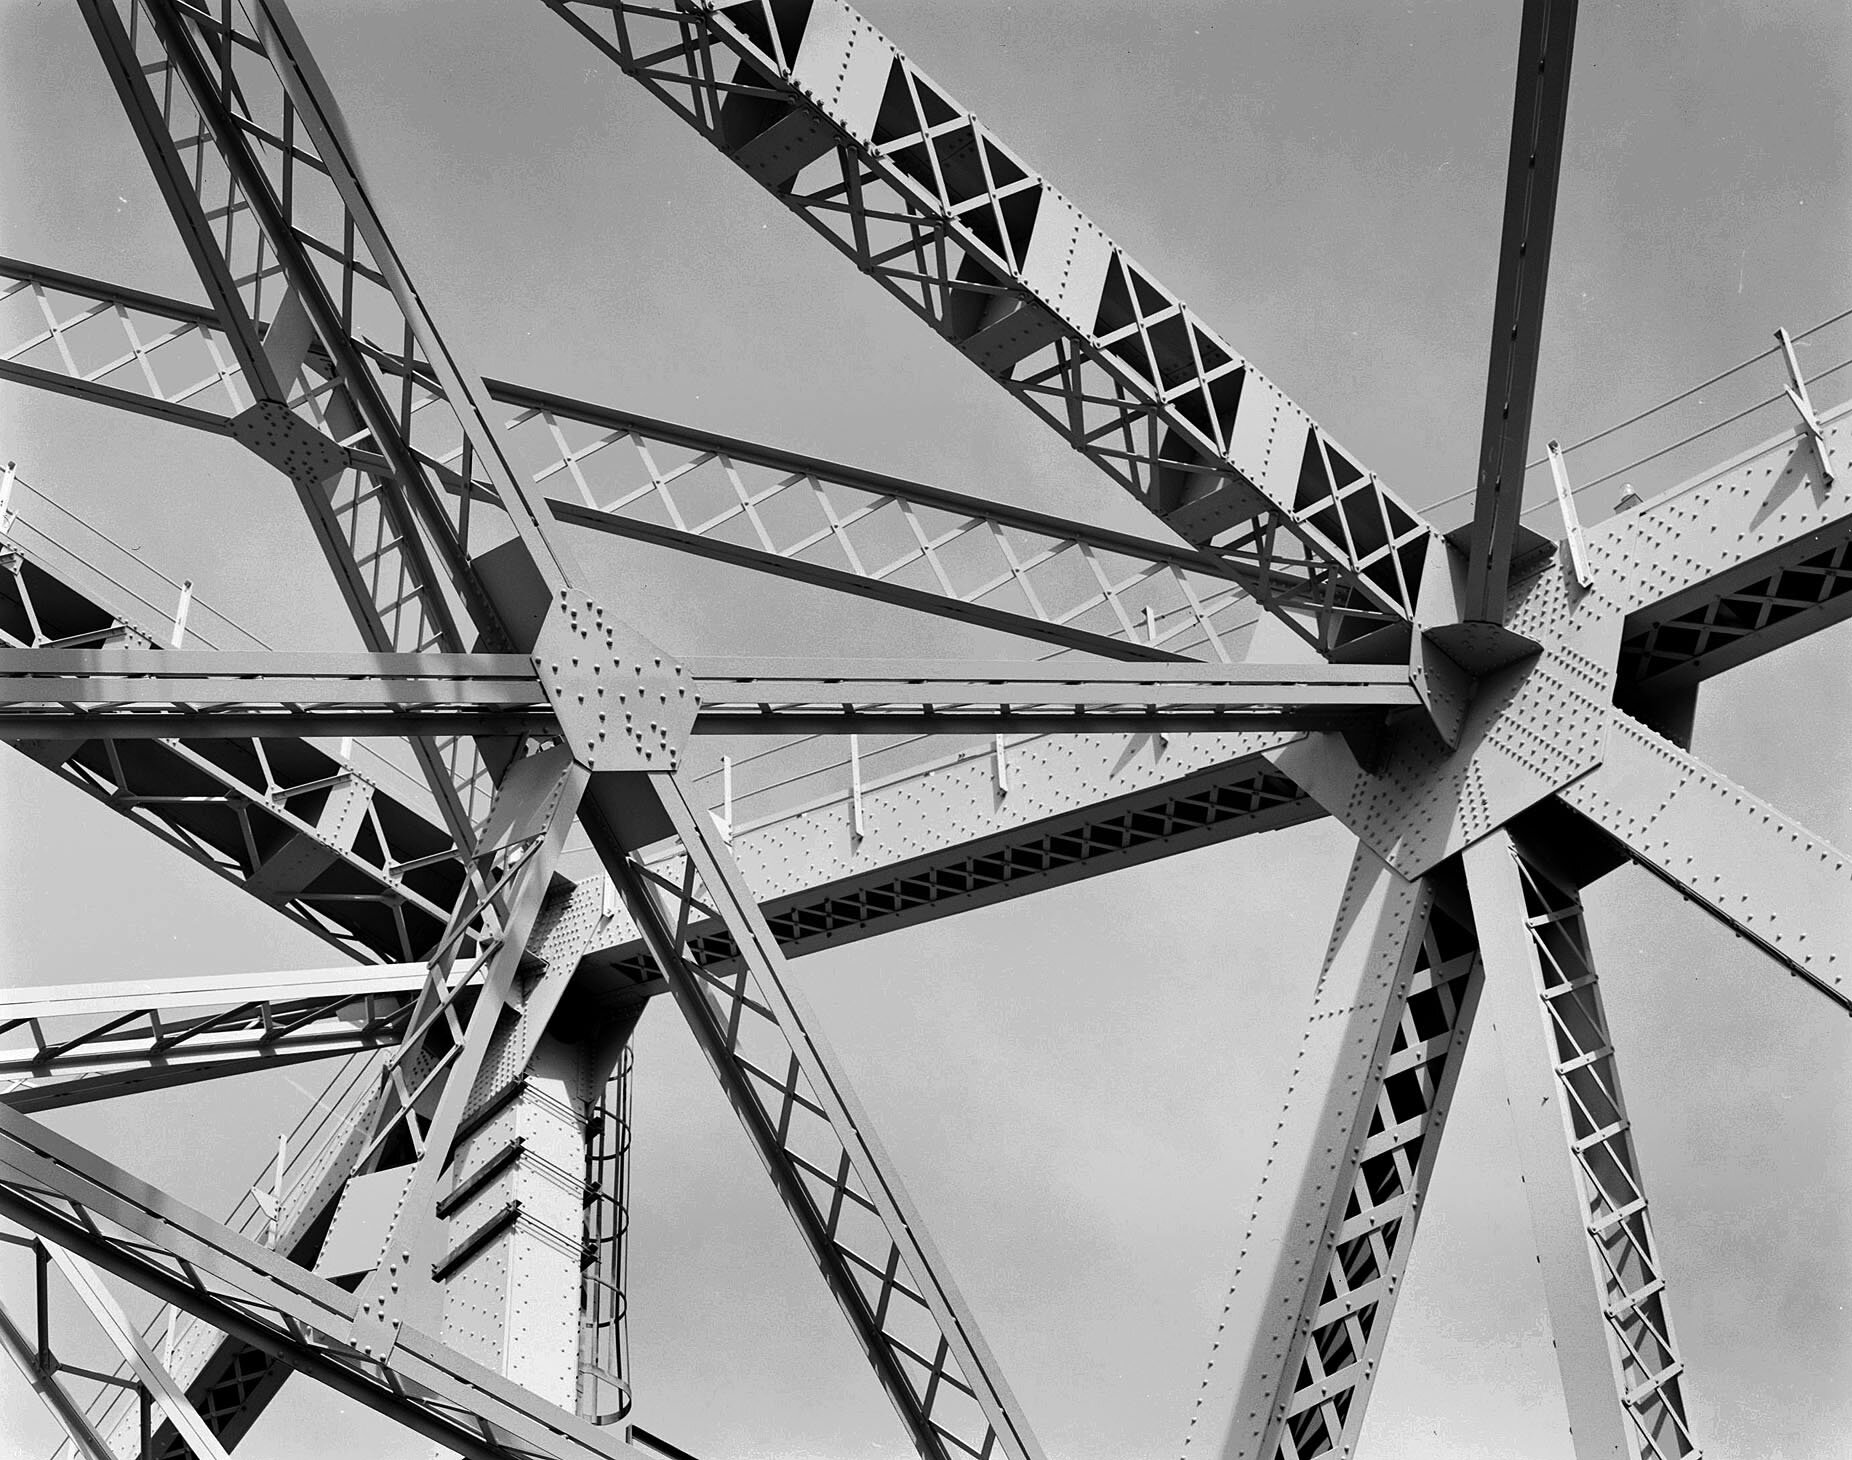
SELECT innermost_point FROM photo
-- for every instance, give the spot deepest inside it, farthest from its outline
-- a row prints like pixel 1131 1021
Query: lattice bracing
pixel 1628 1267
pixel 77 1044
pixel 476 1175
pixel 1350 1325
pixel 957 554
pixel 1325 1248
pixel 150 354
pixel 270 234
pixel 815 1141
pixel 1734 627
pixel 817 106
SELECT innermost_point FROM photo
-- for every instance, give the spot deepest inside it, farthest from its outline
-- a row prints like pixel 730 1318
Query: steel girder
pixel 1545 716
pixel 161 1032
pixel 967 558
pixel 815 104
pixel 1545 47
pixel 1322 1253
pixel 1589 1213
pixel 113 694
pixel 73 1199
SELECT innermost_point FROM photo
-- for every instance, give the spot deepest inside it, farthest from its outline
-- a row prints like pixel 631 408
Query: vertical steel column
pixel 428 1084
pixel 510 1268
pixel 514 1253
pixel 1623 1379
pixel 1322 1256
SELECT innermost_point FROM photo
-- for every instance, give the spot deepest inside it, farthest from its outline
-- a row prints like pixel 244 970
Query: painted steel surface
pixel 1488 741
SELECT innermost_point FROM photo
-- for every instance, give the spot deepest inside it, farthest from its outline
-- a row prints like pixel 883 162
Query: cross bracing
pixel 1443 730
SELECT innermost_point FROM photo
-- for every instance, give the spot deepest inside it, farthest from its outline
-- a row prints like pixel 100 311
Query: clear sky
pixel 1076 1084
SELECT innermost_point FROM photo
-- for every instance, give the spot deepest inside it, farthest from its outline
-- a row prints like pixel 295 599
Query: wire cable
pixel 1686 394
pixel 1686 441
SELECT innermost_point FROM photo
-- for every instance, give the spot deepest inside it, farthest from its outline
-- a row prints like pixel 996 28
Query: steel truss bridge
pixel 1498 718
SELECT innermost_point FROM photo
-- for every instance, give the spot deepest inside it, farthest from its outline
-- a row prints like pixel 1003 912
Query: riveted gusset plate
pixel 1533 727
pixel 622 705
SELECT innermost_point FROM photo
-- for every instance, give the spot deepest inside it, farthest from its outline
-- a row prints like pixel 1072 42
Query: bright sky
pixel 1075 1085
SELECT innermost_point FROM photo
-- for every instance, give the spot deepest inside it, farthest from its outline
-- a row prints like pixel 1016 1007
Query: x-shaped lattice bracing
pixel 361 393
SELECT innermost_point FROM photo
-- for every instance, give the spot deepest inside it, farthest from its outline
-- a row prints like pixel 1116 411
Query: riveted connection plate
pixel 1533 727
pixel 622 705
pixel 289 443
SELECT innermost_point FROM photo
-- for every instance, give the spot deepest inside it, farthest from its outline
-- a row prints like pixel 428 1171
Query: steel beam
pixel 1735 562
pixel 1546 44
pixel 72 1198
pixel 1322 1254
pixel 107 694
pixel 805 519
pixel 43 1378
pixel 153 1376
pixel 816 1142
pixel 1772 881
pixel 818 106
pixel 113 694
pixel 1623 1375
pixel 125 1038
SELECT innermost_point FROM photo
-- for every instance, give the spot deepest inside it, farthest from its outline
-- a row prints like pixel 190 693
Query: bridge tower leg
pixel 1623 1379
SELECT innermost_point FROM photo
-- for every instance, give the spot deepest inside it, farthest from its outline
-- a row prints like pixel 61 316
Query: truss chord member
pixel 818 106
pixel 43 1377
pixel 52 694
pixel 186 1420
pixel 73 1198
pixel 1772 881
pixel 1322 1255
pixel 143 1035
pixel 816 1142
pixel 1539 113
pixel 706 484
pixel 366 521
pixel 1623 1375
